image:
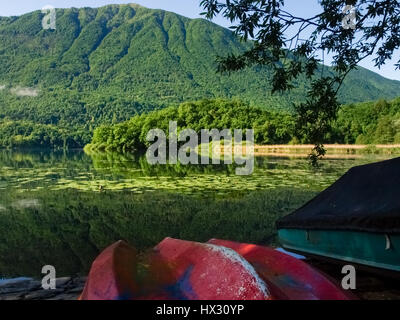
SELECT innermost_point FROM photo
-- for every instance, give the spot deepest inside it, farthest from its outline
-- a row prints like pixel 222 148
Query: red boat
pixel 217 270
pixel 287 278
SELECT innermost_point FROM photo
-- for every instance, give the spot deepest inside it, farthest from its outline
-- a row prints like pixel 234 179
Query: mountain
pixel 107 64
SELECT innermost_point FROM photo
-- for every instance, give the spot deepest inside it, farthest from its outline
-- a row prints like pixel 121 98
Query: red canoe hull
pixel 175 270
pixel 217 270
pixel 112 274
pixel 208 272
pixel 287 277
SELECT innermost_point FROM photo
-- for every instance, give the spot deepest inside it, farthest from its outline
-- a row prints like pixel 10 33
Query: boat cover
pixel 366 198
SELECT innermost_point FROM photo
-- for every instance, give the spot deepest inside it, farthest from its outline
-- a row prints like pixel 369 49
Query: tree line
pixel 363 123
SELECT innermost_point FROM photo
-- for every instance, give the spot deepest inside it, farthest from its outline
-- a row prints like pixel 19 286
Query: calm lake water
pixel 62 208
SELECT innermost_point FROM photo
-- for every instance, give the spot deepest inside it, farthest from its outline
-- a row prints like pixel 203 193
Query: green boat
pixel 356 220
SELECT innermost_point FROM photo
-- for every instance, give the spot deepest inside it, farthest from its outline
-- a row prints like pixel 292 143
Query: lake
pixel 62 208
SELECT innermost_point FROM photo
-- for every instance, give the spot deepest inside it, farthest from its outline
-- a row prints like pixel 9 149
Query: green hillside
pixel 105 65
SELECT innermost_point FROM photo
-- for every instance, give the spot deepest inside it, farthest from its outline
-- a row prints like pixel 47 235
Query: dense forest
pixel 368 123
pixel 269 127
pixel 28 134
pixel 69 114
pixel 364 123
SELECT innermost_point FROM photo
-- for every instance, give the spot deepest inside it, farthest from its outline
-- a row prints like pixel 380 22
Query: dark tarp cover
pixel 366 198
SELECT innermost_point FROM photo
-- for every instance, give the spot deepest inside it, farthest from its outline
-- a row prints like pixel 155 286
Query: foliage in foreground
pixel 371 28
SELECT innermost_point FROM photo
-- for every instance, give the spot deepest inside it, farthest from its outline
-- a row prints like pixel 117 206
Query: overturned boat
pixel 215 270
pixel 356 220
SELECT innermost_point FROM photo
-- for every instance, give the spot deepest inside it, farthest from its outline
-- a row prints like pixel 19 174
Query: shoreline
pixel 67 288
pixel 370 286
pixel 333 151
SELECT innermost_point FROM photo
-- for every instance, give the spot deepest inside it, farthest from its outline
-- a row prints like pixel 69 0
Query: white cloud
pixel 26 203
pixel 25 92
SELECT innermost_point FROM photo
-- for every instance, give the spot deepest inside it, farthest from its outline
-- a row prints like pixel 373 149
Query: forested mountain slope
pixel 104 65
pixel 119 55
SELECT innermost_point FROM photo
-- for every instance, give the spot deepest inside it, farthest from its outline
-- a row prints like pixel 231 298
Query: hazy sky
pixel 188 8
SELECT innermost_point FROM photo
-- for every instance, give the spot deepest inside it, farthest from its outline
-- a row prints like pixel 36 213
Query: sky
pixel 188 8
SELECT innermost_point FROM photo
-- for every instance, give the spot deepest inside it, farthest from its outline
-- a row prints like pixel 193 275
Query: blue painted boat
pixel 356 220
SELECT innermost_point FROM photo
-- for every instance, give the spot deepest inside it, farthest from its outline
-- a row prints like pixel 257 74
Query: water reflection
pixel 52 210
pixel 113 171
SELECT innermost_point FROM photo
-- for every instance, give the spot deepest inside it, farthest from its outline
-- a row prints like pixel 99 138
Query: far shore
pixel 333 151
pixel 328 146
